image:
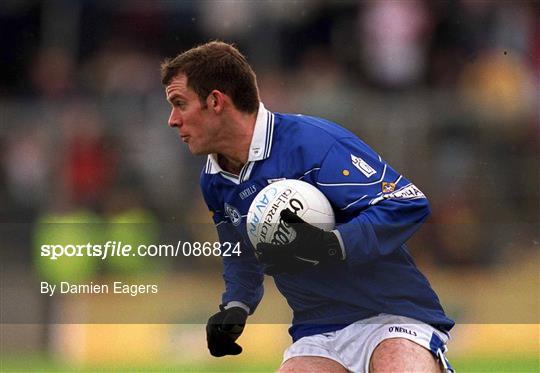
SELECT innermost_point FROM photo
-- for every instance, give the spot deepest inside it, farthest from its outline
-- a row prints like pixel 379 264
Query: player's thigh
pixel 312 364
pixel 402 355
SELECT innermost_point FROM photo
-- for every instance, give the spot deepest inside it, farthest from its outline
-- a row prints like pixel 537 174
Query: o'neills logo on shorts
pixel 399 329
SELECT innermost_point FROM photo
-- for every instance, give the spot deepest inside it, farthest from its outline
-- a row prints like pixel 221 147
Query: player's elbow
pixel 423 208
pixel 414 211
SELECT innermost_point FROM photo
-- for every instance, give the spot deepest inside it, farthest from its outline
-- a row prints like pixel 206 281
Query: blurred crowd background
pixel 447 92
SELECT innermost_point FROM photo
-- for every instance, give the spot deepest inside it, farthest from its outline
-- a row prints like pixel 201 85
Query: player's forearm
pixel 249 299
pixel 243 281
pixel 242 272
pixel 382 229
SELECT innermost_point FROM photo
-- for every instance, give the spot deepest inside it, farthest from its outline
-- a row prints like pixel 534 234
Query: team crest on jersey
pixel 233 214
pixel 362 166
pixel 388 187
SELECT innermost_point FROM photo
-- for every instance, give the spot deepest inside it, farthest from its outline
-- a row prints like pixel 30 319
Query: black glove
pixel 223 329
pixel 310 247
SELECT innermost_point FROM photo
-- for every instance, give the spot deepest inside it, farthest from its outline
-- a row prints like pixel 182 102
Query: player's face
pixel 197 126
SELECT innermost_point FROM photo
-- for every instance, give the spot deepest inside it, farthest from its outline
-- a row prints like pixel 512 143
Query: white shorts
pixel 353 345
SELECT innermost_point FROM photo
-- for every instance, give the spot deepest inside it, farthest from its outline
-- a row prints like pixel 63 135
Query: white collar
pixel 259 149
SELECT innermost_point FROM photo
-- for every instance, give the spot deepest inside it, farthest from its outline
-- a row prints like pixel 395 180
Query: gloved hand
pixel 223 329
pixel 310 247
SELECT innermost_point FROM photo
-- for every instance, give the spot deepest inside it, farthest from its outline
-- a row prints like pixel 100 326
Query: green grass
pixel 37 364
pixel 498 364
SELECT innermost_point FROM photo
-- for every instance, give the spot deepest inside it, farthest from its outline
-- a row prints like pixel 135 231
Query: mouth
pixel 184 138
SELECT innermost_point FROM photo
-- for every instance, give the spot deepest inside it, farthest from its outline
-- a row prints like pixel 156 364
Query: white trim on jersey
pixel 307 172
pixel 230 177
pixel 353 202
pixel 259 149
pixel 246 171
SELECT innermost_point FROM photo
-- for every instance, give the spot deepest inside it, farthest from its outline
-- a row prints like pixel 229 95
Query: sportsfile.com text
pixel 119 249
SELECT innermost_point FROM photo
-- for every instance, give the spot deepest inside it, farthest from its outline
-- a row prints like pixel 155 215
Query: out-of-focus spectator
pixel 499 87
pixel 459 232
pixel 121 68
pixel 53 73
pixel 320 87
pixel 71 226
pixel 230 19
pixel 27 166
pixel 393 38
pixel 89 159
pixel 130 222
pixel 274 88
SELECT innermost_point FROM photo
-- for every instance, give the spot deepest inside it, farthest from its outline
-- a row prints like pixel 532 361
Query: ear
pixel 216 101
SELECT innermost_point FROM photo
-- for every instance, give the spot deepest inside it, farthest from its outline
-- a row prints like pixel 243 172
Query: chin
pixel 197 151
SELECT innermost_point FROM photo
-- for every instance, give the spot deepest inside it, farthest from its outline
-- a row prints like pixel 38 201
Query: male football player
pixel 360 304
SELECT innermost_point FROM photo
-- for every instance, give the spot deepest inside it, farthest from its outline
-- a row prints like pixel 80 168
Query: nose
pixel 175 119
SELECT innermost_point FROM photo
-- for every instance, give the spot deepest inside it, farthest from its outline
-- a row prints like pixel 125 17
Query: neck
pixel 230 165
pixel 236 139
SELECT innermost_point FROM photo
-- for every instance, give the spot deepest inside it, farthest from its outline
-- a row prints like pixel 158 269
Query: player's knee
pixel 402 355
pixel 312 364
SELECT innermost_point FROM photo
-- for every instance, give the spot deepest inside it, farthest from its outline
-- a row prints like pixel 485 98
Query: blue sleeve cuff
pixel 358 240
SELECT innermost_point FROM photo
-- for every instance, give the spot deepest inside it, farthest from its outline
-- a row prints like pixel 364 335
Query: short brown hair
pixel 216 65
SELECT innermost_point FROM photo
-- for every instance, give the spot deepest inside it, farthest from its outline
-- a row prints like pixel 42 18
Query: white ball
pixel 264 223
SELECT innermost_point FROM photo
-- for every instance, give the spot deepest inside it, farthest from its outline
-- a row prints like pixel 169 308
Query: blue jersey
pixel 376 211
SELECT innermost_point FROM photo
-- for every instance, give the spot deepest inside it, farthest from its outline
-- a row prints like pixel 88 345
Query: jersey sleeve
pixel 243 275
pixel 379 208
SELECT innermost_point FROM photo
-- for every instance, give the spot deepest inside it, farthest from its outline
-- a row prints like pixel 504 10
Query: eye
pixel 179 104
